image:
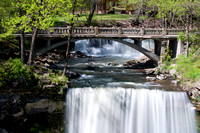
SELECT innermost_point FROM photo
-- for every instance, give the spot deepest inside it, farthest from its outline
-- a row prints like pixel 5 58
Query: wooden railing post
pixel 164 31
pixel 142 31
pixel 96 30
pixel 119 31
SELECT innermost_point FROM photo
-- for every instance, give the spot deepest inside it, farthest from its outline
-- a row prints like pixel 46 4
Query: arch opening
pixel 136 45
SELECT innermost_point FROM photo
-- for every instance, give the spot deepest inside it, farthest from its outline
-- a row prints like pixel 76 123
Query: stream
pixel 109 98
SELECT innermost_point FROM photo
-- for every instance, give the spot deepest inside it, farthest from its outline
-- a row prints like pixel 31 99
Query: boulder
pixel 140 63
pixel 161 77
pixel 172 72
pixel 72 75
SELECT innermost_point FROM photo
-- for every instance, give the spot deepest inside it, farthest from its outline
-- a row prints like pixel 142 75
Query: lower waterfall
pixel 120 110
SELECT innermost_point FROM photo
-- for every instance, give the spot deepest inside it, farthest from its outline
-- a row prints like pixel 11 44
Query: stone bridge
pixel 162 38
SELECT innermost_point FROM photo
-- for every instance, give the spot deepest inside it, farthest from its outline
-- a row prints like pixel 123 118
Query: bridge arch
pixel 135 46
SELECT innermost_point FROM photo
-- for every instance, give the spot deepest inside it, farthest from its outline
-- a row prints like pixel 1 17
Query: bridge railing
pixel 108 31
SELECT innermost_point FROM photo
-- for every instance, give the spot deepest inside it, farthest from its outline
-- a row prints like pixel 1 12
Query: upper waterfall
pixel 104 47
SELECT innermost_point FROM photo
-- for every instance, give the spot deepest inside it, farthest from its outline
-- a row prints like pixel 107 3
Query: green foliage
pixel 189 68
pixel 194 38
pixel 37 128
pixel 167 60
pixel 181 36
pixel 59 82
pixel 13 74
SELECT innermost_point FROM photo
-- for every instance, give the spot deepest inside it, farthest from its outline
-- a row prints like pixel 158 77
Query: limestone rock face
pixel 44 105
pixel 194 94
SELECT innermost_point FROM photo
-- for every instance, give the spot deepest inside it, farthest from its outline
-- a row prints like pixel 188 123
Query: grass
pixel 103 17
pixel 189 68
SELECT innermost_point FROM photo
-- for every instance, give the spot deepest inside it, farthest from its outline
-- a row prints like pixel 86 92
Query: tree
pixel 37 14
pixel 70 8
pixel 187 8
pixel 94 4
pixel 139 5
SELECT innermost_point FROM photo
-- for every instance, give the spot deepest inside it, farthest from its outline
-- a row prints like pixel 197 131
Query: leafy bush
pixel 14 74
pixel 167 60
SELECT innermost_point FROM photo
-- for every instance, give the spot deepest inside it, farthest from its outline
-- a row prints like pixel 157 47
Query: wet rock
pixel 77 54
pixel 90 68
pixel 113 64
pixel 151 78
pixel 163 76
pixel 72 75
pixel 140 63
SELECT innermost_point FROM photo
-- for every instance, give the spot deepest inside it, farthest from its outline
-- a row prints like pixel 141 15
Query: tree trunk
pixel 191 21
pixel 138 15
pixel 187 36
pixel 69 40
pixel 22 40
pixel 22 45
pixel 92 11
pixel 30 61
pixel 113 6
pixel 163 22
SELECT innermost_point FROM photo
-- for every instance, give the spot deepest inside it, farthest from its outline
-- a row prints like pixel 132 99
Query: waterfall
pixel 119 110
pixel 106 47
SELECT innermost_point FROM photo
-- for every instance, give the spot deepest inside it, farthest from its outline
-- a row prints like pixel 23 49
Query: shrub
pixel 167 60
pixel 14 74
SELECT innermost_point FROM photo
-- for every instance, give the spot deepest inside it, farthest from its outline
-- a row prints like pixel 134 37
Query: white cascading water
pixel 105 47
pixel 119 110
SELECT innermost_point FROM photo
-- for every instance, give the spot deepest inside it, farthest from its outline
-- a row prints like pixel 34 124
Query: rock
pixel 46 65
pixel 151 78
pixel 175 82
pixel 157 71
pixel 172 72
pixel 48 86
pixel 160 77
pixel 72 75
pixel 3 131
pixel 44 105
pixel 53 67
pixel 113 64
pixel 19 114
pixel 90 68
pixel 163 76
pixel 197 84
pixel 140 63
pixel 150 72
